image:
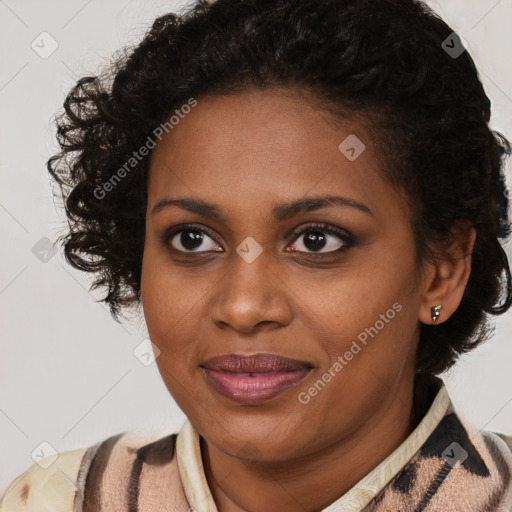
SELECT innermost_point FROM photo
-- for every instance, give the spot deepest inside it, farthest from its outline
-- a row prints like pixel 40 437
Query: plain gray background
pixel 68 373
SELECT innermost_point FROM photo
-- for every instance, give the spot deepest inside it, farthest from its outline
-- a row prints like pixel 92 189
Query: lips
pixel 255 378
pixel 256 363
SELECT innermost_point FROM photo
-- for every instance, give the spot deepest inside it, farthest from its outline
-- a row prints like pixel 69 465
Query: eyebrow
pixel 280 212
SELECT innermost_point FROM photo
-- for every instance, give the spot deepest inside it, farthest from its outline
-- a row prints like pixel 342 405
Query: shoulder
pixel 504 437
pixel 107 475
pixel 42 481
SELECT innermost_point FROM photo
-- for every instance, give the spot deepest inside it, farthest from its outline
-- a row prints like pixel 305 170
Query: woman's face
pixel 343 303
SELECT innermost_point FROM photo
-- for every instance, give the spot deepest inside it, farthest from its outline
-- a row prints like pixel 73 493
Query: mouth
pixel 255 378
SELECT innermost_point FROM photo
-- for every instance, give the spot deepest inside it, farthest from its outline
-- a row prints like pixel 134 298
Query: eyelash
pixel 344 236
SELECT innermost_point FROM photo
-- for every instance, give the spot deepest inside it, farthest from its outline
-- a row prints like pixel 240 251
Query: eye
pixel 190 239
pixel 316 237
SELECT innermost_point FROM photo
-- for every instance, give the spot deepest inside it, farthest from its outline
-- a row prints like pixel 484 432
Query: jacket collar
pixel 200 498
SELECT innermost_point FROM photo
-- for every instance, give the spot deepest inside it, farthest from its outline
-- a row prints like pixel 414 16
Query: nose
pixel 251 296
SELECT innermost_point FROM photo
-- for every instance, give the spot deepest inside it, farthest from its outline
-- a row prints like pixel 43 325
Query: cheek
pixel 169 329
pixel 371 342
pixel 168 310
pixel 165 301
pixel 353 302
pixel 174 308
pixel 371 314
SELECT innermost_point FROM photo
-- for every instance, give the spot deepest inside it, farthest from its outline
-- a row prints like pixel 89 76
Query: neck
pixel 309 483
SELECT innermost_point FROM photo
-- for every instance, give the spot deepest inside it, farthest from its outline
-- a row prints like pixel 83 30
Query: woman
pixel 307 201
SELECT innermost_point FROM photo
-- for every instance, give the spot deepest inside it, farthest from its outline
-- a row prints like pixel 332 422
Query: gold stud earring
pixel 434 312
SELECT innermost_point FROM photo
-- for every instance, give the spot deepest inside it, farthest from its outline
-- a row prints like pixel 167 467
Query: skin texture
pixel 246 153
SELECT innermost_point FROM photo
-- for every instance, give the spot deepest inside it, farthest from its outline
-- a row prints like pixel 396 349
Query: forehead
pixel 253 147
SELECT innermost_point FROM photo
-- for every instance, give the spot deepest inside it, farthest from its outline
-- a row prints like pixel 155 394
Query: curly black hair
pixel 386 60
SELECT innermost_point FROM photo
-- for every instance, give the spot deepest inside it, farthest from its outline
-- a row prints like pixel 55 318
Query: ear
pixel 446 279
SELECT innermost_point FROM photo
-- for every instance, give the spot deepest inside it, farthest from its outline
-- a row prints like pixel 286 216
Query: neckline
pixel 199 496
